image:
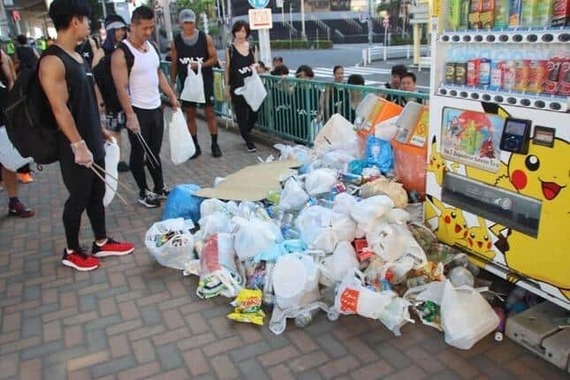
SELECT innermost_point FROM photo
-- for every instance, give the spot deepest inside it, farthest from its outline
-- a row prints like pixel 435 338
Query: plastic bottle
pixel 288 229
pixel 501 14
pixel 454 15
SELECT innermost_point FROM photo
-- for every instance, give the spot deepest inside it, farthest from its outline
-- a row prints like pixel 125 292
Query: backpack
pixel 30 123
pixel 104 80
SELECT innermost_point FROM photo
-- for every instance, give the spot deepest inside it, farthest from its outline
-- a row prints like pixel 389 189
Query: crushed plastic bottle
pixel 304 319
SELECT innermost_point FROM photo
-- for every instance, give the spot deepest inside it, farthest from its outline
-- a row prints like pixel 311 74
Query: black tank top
pixel 189 54
pixel 240 66
pixel 82 101
pixel 86 51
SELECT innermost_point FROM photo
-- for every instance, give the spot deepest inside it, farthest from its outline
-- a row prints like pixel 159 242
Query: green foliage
pixel 198 6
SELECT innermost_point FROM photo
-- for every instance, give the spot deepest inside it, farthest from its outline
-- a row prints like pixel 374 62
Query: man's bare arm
pixel 212 54
pixel 52 79
pixel 7 70
pixel 120 75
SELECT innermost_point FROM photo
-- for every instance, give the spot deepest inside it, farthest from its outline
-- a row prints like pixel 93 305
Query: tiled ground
pixel 134 319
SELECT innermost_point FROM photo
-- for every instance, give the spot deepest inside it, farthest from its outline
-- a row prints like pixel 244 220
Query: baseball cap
pixel 114 22
pixel 187 15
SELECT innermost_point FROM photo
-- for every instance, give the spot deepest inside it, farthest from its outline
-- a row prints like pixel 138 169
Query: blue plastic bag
pixel 379 153
pixel 182 203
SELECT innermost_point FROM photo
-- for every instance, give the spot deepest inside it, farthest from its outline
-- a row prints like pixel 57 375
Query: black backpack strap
pixel 129 56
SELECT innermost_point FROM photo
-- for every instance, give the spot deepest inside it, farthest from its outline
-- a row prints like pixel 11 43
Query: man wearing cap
pixel 191 48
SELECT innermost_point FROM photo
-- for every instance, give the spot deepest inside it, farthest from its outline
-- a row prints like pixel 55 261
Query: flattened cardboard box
pixel 252 183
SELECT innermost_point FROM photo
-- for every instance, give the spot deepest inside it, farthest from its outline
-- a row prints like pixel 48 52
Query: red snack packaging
pixel 561 13
pixel 564 78
pixel 473 72
pixel 553 72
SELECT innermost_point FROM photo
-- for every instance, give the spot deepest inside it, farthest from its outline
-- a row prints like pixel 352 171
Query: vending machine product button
pixel 547 37
pixel 532 38
pixel 467 38
pixel 486 97
pixel 525 102
pixel 539 104
pixel 517 38
pixel 490 38
pixel 555 106
pixel 499 99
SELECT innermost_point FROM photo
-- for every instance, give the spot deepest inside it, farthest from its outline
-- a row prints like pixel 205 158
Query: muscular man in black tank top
pixel 68 83
pixel 191 48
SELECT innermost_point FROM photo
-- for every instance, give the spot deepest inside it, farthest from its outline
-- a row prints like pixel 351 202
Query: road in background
pixel 349 56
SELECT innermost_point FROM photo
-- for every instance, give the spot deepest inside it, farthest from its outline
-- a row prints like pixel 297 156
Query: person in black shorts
pixel 190 48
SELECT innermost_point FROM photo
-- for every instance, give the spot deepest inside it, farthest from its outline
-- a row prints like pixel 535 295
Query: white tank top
pixel 143 80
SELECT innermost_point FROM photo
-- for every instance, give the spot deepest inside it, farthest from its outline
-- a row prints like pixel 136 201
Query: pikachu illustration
pixel 544 174
pixel 479 240
pixel 437 164
pixel 451 223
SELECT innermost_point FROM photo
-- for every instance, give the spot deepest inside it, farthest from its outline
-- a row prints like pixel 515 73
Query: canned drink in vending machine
pixel 553 72
pixel 461 74
pixel 472 72
pixel 497 68
pixel 564 78
pixel 509 75
pixel 450 72
pixel 537 76
pixel 522 71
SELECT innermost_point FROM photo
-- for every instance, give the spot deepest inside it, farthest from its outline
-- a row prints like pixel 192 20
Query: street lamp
pixel 303 19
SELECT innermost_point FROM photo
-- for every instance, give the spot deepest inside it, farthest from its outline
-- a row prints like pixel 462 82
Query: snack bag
pixel 248 307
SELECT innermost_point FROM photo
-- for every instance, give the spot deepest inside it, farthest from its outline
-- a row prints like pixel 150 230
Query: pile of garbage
pixel 340 237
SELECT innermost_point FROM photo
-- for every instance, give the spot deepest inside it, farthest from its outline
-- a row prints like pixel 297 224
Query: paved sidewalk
pixel 133 319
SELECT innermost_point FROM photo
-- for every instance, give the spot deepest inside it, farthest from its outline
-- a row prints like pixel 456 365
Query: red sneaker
pixel 19 209
pixel 80 260
pixel 112 248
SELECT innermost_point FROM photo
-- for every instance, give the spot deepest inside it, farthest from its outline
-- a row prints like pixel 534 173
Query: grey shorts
pixel 115 121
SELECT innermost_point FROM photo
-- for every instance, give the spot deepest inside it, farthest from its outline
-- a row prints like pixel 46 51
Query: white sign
pixel 260 19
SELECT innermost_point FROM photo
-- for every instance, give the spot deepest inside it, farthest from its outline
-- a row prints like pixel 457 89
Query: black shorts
pixel 208 96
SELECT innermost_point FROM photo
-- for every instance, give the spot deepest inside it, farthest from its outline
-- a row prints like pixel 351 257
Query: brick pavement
pixel 133 319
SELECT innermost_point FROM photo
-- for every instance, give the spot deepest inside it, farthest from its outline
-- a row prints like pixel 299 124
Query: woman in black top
pixel 241 60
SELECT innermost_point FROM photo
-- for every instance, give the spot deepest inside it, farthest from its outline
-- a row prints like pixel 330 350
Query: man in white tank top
pixel 138 78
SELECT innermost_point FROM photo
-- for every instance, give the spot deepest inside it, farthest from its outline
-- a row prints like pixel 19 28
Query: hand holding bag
pixel 253 91
pixel 193 90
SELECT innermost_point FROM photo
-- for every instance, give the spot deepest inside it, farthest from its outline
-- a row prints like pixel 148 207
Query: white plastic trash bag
pixel 320 181
pixel 253 237
pixel 10 158
pixel 253 91
pixel 170 243
pixel 112 155
pixel 337 134
pixel 295 280
pixel 369 212
pixel 181 143
pixel 335 266
pixel 343 203
pixel 466 317
pixel 322 229
pixel 353 297
pixel 396 314
pixel 193 90
pixel 293 197
pixel 392 241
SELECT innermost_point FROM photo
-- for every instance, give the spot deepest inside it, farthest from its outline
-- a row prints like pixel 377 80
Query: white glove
pixel 83 155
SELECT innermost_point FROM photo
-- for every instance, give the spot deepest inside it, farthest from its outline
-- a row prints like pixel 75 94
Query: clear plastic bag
pixel 254 237
pixel 112 155
pixel 181 143
pixel 293 197
pixel 320 181
pixel 253 91
pixel 170 243
pixel 193 90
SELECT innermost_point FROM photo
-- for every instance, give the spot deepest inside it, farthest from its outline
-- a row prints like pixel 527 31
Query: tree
pixel 199 6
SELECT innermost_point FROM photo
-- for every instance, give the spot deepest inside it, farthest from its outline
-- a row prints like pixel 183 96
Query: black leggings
pixel 246 119
pixel 86 192
pixel 152 130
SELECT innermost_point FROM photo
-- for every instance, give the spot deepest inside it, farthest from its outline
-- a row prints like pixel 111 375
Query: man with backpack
pixel 191 48
pixel 27 55
pixel 66 79
pixel 135 66
pixel 8 177
pixel 113 114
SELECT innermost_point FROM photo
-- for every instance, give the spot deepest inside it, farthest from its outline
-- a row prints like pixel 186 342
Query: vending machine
pixel 498 176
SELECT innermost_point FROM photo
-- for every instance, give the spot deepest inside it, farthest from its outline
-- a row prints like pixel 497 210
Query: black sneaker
pixel 122 167
pixel 149 200
pixel 216 151
pixel 198 152
pixel 251 149
pixel 161 195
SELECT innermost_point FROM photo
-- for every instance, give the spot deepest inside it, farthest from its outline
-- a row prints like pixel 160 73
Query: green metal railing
pixel 295 109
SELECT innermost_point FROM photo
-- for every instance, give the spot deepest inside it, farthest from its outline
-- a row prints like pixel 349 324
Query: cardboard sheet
pixel 252 183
